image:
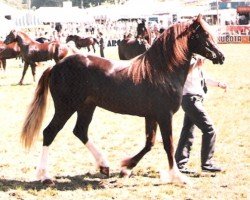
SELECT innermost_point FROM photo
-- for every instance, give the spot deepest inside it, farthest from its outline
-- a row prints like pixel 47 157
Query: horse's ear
pixel 196 22
pixel 14 31
pixel 199 18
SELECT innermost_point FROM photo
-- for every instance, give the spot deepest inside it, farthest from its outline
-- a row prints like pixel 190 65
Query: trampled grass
pixel 119 136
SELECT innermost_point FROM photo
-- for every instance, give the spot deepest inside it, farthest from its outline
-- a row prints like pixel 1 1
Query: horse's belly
pixel 124 104
pixel 39 57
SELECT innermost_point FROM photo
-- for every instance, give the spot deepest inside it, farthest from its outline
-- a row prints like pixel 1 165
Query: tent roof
pixel 62 14
pixel 7 10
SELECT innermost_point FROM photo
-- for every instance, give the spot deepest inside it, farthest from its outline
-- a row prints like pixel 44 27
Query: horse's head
pixel 70 38
pixel 11 37
pixel 144 32
pixel 141 29
pixel 201 41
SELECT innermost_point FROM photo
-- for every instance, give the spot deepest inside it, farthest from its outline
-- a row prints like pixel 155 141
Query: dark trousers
pixel 195 115
pixel 102 51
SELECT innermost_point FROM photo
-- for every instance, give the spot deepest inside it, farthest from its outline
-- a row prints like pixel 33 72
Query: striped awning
pixel 27 19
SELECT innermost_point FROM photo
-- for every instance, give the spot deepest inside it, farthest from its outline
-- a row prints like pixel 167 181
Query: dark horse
pixel 42 40
pixel 148 86
pixel 82 42
pixel 33 51
pixel 8 51
pixel 131 47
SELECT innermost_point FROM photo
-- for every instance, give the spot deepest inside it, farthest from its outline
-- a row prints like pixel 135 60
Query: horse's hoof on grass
pixel 125 173
pixel 104 170
pixel 48 182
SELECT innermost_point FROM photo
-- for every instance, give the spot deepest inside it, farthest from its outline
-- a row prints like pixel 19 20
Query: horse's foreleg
pixel 93 48
pixel 24 72
pixel 88 48
pixel 84 117
pixel 129 163
pixel 174 175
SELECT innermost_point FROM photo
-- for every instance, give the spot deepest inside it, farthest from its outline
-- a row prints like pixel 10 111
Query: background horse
pixel 148 86
pixel 42 39
pixel 82 42
pixel 144 32
pixel 33 51
pixel 8 51
pixel 131 47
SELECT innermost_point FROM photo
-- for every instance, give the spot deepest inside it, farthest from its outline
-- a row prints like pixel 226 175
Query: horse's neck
pixel 23 39
pixel 163 63
pixel 148 36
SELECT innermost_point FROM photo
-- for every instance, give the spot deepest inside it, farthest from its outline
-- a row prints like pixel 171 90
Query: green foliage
pixel 47 3
pixel 58 3
pixel 15 3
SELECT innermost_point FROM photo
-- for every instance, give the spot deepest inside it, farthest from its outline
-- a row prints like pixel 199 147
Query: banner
pixel 234 39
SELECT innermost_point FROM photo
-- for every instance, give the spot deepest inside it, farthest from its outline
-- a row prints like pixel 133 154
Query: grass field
pixel 120 136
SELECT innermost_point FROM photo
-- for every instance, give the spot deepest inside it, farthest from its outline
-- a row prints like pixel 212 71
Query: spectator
pixel 195 114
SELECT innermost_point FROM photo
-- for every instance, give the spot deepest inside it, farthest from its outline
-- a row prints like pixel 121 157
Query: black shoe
pixel 183 169
pixel 211 168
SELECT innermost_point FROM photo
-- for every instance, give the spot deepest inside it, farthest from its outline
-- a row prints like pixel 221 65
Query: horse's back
pixel 79 79
pixel 81 63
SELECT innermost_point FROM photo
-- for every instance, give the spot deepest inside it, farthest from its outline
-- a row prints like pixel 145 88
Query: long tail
pixel 36 111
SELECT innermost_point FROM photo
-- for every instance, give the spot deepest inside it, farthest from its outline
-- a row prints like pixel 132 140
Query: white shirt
pixel 194 79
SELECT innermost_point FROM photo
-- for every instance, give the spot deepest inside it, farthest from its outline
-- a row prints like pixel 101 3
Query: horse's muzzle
pixel 218 59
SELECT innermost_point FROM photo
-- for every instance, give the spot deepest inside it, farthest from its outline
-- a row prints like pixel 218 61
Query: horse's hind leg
pixel 33 70
pixel 84 117
pixel 88 48
pixel 4 64
pixel 62 114
pixel 129 163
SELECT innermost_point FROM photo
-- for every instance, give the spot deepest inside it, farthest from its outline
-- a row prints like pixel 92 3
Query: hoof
pixel 174 178
pixel 48 182
pixel 125 173
pixel 104 170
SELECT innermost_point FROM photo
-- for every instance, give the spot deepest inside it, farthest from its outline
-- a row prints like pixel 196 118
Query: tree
pixel 47 3
pixel 78 3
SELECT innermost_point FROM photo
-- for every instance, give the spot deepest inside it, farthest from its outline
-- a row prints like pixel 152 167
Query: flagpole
pixel 217 7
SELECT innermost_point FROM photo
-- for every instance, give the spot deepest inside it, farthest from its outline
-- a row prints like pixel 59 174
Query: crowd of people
pixel 110 30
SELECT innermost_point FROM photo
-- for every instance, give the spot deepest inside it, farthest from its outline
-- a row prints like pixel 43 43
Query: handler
pixel 195 114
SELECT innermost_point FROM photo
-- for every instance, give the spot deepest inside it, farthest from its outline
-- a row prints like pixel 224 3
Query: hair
pixel 169 51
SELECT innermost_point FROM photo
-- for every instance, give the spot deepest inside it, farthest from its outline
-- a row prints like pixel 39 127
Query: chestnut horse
pixel 33 51
pixel 82 42
pixel 8 51
pixel 148 86
pixel 131 47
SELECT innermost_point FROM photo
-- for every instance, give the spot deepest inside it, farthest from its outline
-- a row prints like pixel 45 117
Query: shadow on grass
pixel 62 183
pixel 24 84
pixel 85 182
pixel 16 84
